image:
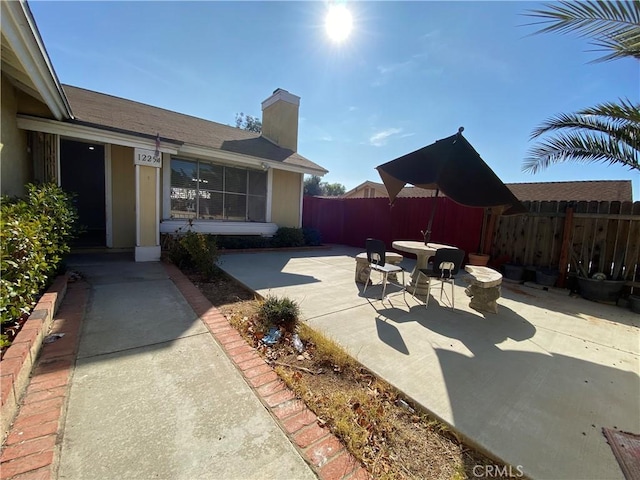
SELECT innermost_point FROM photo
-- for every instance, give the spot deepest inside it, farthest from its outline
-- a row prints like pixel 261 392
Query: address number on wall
pixel 142 156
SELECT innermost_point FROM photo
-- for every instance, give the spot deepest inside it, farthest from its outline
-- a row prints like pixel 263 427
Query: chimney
pixel 280 119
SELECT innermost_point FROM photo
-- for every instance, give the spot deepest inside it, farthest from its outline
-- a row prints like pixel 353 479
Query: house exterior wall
pixel 27 105
pixel 123 194
pixel 15 168
pixel 286 203
pixel 148 196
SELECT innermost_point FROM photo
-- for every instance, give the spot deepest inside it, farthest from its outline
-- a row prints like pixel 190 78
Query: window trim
pixel 166 203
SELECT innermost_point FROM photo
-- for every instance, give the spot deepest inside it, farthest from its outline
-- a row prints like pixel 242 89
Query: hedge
pixel 34 236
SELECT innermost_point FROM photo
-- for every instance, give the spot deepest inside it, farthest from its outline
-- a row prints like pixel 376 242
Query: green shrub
pixel 234 242
pixel 193 250
pixel 279 312
pixel 34 236
pixel 288 237
pixel 312 237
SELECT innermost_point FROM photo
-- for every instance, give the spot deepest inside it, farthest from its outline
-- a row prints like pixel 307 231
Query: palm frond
pixel 623 110
pixel 613 26
pixel 582 147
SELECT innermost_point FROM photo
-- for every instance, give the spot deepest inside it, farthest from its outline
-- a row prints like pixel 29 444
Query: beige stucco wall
pixel 27 105
pixel 123 197
pixel 280 124
pixel 15 167
pixel 285 200
pixel 148 196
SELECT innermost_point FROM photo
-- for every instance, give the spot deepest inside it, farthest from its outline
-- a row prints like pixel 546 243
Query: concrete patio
pixel 533 385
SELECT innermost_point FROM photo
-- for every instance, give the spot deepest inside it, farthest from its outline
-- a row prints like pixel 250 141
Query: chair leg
pixel 384 285
pixel 415 285
pixel 453 298
pixel 367 282
pixel 426 303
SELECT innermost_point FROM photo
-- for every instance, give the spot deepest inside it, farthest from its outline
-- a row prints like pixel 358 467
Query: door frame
pixel 108 200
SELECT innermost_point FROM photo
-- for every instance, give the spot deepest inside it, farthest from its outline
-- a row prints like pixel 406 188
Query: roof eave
pixel 96 133
pixel 249 160
pixel 19 27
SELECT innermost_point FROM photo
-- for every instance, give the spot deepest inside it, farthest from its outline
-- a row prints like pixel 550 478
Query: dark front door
pixel 82 172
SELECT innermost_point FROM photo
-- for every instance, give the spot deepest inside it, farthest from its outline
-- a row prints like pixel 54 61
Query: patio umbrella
pixel 453 167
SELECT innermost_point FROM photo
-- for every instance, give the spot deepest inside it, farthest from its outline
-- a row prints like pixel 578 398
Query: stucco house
pixel 369 189
pixel 140 170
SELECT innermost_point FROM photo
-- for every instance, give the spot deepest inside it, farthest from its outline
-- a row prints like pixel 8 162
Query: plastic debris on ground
pixel 297 343
pixel 53 337
pixel 272 337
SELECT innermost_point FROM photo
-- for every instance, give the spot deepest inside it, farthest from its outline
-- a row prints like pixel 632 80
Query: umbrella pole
pixel 427 234
pixel 484 229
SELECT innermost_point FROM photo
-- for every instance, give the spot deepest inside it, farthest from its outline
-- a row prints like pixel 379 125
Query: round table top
pixel 417 248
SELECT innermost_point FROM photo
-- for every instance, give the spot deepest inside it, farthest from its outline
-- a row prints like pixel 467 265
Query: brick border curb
pixel 29 452
pixel 19 359
pixel 317 445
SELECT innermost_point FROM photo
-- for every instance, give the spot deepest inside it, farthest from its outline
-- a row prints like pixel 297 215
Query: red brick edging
pixel 317 445
pixel 19 359
pixel 28 452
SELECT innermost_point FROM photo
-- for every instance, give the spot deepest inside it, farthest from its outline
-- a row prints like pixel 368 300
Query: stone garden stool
pixel 362 265
pixel 484 288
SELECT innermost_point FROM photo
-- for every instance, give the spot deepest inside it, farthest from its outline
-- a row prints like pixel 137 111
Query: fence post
pixel 564 249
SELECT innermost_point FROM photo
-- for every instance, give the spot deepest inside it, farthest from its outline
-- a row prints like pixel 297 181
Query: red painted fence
pixel 350 221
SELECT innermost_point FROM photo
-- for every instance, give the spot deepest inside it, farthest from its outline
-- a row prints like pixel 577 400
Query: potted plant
pixel 598 287
pixel 513 271
pixel 479 259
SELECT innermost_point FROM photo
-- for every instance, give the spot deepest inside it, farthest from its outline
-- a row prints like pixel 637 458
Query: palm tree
pixel 608 132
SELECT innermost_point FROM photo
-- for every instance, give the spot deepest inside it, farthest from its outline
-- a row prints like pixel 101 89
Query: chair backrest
pixel 447 261
pixel 376 251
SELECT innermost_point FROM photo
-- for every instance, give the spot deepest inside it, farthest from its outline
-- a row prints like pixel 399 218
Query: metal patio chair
pixel 376 256
pixel 446 265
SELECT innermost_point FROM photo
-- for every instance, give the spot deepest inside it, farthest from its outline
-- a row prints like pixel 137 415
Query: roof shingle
pixel 589 190
pixel 118 114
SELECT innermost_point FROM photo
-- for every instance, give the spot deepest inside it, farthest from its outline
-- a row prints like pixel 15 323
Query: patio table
pixel 423 253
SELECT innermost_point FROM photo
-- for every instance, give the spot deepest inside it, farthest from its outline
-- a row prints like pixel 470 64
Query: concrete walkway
pixel 154 396
pixel 532 385
pixel 148 380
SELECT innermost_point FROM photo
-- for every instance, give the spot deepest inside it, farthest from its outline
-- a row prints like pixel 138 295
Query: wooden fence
pixel 592 236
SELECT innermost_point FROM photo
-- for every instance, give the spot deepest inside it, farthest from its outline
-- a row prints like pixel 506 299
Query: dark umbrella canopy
pixel 454 167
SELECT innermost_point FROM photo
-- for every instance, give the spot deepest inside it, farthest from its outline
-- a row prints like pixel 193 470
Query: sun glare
pixel 338 23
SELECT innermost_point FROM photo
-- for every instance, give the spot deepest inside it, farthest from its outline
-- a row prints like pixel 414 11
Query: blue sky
pixel 409 74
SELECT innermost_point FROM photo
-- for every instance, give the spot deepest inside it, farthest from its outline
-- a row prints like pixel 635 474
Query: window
pixel 209 191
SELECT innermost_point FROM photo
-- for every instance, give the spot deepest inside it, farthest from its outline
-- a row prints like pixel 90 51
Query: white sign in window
pixel 142 156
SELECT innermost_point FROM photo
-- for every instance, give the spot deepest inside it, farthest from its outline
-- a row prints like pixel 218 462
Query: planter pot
pixel 600 290
pixel 513 272
pixel 546 277
pixel 634 303
pixel 478 259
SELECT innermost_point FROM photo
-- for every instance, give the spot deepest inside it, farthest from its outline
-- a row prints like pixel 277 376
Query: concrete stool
pixel 362 265
pixel 484 288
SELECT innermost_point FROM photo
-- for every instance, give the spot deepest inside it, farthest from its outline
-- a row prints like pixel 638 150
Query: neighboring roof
pixel 25 60
pixel 587 190
pixel 590 190
pixel 415 192
pixel 406 192
pixel 126 116
pixel 365 184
